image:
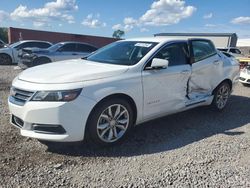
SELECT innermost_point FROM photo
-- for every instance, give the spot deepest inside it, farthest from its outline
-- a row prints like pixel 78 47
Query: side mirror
pixel 159 63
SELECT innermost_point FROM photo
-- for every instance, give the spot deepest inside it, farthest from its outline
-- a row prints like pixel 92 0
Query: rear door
pixel 165 90
pixel 207 68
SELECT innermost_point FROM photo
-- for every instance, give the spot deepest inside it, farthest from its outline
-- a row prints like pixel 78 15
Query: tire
pixel 110 122
pixel 5 59
pixel 40 61
pixel 221 95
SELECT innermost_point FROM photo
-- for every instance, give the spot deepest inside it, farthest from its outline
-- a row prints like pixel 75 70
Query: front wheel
pixel 110 121
pixel 5 59
pixel 41 61
pixel 221 95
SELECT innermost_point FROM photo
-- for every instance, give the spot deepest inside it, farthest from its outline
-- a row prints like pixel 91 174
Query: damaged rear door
pixel 207 68
pixel 165 89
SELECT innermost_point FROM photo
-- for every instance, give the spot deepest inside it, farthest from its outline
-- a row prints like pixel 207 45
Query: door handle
pixel 216 62
pixel 74 54
pixel 185 72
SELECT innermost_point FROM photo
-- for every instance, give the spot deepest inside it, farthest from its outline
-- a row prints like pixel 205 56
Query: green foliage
pixel 4 34
pixel 118 34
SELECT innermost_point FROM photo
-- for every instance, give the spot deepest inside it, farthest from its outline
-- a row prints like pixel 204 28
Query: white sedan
pixel 245 76
pixel 120 85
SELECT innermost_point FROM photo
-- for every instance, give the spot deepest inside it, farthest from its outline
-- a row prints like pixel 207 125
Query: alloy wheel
pixel 222 96
pixel 113 123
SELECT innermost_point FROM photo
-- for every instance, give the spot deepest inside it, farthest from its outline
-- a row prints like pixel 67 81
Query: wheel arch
pixel 120 96
pixel 109 97
pixel 3 53
pixel 227 80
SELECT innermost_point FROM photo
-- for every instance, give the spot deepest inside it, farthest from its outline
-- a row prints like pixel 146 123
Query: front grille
pixel 48 129
pixel 19 97
pixel 248 80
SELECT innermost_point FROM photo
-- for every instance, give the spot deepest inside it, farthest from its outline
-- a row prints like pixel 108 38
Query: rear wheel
pixel 110 121
pixel 221 95
pixel 5 59
pixel 41 61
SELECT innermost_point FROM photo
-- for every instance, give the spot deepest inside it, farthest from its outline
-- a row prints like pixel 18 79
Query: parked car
pixel 57 52
pixel 237 54
pixel 2 43
pixel 120 85
pixel 232 50
pixel 245 76
pixel 9 54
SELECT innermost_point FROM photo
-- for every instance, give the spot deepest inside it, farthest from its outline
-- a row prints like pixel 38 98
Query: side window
pixel 202 49
pixel 30 45
pixel 20 46
pixel 42 45
pixel 71 47
pixel 85 48
pixel 176 54
pixel 24 45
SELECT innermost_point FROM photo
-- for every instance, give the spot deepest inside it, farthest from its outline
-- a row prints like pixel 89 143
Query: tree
pixel 4 34
pixel 118 34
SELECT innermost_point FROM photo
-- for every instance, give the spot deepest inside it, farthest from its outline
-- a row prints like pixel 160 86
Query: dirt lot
pixel 197 148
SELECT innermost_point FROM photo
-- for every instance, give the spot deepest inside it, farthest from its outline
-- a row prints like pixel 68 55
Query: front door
pixel 67 51
pixel 165 90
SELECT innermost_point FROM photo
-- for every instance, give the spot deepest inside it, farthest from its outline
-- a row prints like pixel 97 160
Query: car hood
pixel 5 49
pixel 70 71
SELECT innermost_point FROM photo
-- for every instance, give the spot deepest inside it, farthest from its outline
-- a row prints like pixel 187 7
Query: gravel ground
pixel 197 148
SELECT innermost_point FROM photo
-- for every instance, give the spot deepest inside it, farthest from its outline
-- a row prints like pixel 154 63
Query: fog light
pixel 48 129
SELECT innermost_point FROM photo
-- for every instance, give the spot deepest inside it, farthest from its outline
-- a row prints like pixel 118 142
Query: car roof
pixel 23 41
pixel 33 41
pixel 67 42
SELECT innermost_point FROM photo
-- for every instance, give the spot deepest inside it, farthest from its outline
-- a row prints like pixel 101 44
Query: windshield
pixel 55 47
pixel 122 52
pixel 15 45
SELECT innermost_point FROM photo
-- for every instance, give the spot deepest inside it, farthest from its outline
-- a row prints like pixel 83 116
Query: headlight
pixel 33 56
pixel 68 95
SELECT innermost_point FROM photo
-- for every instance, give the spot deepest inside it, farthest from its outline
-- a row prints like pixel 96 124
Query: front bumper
pixel 65 121
pixel 244 78
pixel 26 60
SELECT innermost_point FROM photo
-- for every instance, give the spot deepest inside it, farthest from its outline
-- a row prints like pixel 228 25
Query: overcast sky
pixel 136 17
